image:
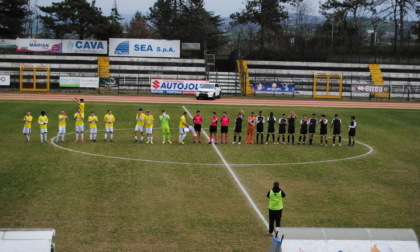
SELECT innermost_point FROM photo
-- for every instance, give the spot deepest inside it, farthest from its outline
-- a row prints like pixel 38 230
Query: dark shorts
pixel 323 132
pixel 291 130
pixel 303 131
pixel 352 132
pixel 260 128
pixel 282 131
pixel 213 129
pixel 238 129
pixel 336 132
pixel 224 129
pixel 312 130
pixel 270 130
pixel 197 127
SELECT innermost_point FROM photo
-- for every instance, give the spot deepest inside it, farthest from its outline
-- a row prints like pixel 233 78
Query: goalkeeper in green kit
pixel 164 123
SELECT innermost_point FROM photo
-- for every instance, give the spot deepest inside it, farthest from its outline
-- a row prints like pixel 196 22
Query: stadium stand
pixel 133 73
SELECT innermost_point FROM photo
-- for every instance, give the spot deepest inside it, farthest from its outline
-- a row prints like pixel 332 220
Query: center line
pixel 244 191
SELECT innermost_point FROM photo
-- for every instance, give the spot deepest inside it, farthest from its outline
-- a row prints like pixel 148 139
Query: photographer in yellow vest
pixel 275 206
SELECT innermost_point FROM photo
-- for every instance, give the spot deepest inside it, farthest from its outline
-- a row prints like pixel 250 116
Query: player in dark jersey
pixel 352 131
pixel 271 121
pixel 260 127
pixel 312 127
pixel 337 127
pixel 238 128
pixel 303 129
pixel 324 130
pixel 291 127
pixel 282 128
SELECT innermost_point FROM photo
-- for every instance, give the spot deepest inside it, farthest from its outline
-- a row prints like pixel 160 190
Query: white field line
pixel 238 182
pixel 52 140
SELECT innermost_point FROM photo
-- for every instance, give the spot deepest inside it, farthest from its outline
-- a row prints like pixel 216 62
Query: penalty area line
pixel 232 173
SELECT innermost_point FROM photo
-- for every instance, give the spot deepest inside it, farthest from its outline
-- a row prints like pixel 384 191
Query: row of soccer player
pixel 146 121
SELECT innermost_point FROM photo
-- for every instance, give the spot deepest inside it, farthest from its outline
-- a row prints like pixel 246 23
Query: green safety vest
pixel 276 201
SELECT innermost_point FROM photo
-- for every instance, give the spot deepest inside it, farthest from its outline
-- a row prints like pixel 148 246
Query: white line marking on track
pixel 238 182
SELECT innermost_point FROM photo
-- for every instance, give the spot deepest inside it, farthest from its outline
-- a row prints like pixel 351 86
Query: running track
pixel 223 101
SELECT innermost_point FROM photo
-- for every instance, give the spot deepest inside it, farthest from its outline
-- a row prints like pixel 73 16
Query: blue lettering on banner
pixel 89 45
pixel 143 48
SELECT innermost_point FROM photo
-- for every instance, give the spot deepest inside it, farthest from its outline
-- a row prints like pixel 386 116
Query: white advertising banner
pixel 4 80
pixel 92 82
pixel 144 48
pixel 175 86
pixel 79 82
pixel 7 43
pixel 85 46
pixel 38 45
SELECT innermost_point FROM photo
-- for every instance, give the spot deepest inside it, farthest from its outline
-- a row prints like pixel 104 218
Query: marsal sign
pixel 175 86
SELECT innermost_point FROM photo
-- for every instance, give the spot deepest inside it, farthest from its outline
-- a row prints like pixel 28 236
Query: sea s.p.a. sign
pixel 85 46
pixel 175 86
pixel 144 48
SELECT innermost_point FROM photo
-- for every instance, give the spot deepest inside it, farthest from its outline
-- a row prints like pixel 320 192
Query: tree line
pixel 263 29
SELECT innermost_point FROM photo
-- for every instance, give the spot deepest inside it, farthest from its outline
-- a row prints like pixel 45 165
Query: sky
pixel 128 7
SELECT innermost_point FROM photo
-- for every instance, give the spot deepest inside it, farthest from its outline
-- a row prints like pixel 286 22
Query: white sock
pixel 82 136
pixel 180 137
pixel 183 137
pixel 141 138
pixel 77 136
pixel 151 139
pixel 90 136
pixel 45 136
pixel 111 135
pixel 94 136
pixel 42 137
pixel 135 137
pixel 106 135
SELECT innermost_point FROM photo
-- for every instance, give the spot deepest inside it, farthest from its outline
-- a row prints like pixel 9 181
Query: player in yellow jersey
pixel 62 122
pixel 148 121
pixel 43 121
pixel 93 120
pixel 27 127
pixel 139 125
pixel 109 120
pixel 182 127
pixel 81 103
pixel 80 126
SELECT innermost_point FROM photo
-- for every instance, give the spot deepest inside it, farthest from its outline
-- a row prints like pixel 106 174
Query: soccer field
pixel 123 196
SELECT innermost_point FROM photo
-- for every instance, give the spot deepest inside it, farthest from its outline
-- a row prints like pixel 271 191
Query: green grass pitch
pixel 98 203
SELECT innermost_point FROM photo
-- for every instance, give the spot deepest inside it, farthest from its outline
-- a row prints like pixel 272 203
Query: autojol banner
pixel 144 48
pixel 175 86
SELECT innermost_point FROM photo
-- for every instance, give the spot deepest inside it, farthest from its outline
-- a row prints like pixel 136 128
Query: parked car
pixel 209 90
